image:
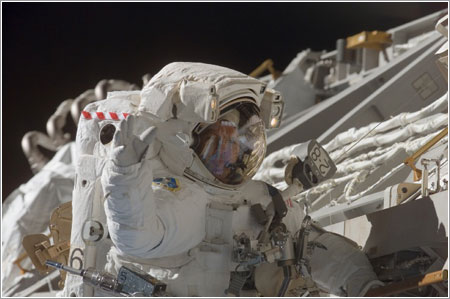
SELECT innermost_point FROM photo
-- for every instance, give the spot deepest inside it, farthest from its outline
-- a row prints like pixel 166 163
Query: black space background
pixel 55 51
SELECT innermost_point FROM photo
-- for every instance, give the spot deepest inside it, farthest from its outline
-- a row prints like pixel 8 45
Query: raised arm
pixel 130 205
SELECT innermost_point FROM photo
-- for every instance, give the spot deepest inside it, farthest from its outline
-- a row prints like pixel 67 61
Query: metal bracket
pixel 410 161
pixel 38 246
pixel 425 190
pixel 405 190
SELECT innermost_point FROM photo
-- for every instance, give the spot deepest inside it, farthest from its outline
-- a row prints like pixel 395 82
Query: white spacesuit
pixel 169 190
pixel 27 210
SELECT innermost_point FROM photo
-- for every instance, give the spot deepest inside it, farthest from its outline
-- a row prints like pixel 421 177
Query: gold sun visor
pixel 233 147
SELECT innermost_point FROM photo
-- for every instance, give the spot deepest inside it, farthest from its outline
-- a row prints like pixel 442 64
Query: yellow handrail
pixel 410 161
pixel 266 65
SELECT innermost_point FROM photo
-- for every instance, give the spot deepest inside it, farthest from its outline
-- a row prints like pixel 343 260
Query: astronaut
pixel 168 189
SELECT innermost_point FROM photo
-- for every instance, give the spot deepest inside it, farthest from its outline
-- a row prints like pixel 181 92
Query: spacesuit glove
pixel 128 149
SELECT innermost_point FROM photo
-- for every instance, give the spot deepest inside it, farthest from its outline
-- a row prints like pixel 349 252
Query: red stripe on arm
pixel 125 114
pixel 100 115
pixel 86 114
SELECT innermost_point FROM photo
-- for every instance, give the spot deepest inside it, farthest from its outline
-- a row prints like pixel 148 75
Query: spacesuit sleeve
pixel 341 268
pixel 130 208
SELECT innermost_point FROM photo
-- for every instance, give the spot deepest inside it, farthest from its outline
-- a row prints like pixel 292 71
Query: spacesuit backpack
pixel 89 238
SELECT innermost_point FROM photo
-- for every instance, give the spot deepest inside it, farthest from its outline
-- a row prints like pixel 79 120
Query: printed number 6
pixel 76 260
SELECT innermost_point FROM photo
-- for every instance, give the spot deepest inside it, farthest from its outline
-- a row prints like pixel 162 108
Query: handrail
pixel 266 65
pixel 410 161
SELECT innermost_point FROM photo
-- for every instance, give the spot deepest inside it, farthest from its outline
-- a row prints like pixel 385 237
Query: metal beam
pixel 331 215
pixel 36 286
pixel 415 86
pixel 328 112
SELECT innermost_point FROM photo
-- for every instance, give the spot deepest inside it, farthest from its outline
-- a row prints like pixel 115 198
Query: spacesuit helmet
pixel 211 122
pixel 233 147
